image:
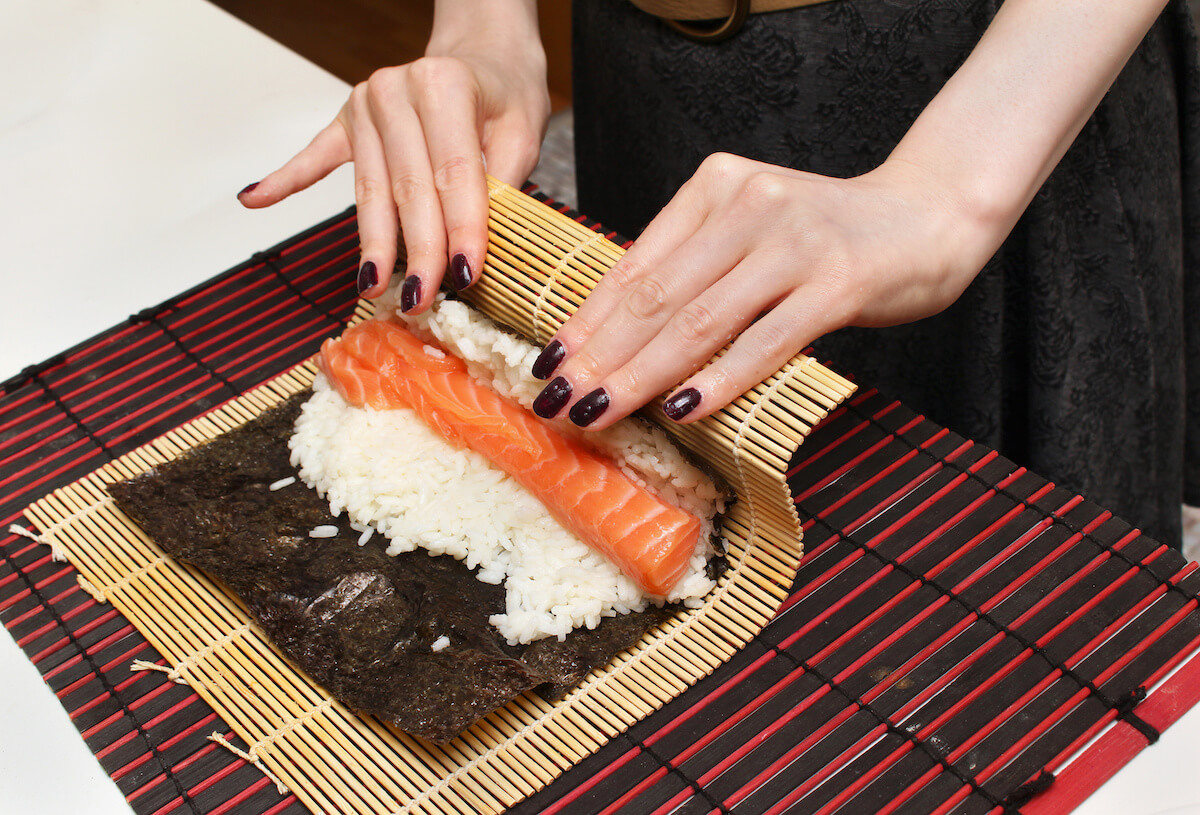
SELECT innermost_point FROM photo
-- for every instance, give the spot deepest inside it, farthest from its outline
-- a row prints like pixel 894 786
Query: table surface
pixel 124 137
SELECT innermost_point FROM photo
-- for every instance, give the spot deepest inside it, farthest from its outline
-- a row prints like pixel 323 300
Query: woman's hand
pixel 778 256
pixel 783 257
pixel 420 136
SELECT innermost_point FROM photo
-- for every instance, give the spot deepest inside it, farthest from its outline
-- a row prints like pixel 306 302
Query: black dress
pixel 1076 352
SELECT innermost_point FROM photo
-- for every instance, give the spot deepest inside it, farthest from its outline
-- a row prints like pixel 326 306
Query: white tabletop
pixel 126 129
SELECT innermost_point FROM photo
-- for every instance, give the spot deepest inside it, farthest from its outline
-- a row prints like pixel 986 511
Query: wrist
pixel 485 25
pixel 962 217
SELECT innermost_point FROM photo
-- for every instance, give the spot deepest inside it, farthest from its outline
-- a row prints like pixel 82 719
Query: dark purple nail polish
pixel 460 272
pixel 681 404
pixel 589 408
pixel 552 398
pixel 368 277
pixel 550 358
pixel 410 293
pixel 247 188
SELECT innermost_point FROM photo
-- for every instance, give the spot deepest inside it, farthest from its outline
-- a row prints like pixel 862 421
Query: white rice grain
pixel 440 644
pixel 281 483
pixel 324 531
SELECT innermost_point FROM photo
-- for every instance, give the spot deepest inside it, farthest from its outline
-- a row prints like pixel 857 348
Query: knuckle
pixel 719 166
pixel 774 341
pixel 433 74
pixel 694 323
pixel 647 300
pixel 621 276
pixel 426 70
pixel 406 188
pixel 764 191
pixel 366 190
pixel 453 173
pixel 379 87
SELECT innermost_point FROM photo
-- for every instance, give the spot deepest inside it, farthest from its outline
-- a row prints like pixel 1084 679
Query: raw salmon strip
pixel 381 365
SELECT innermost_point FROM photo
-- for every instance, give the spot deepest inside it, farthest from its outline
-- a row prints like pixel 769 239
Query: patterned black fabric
pixel 1070 353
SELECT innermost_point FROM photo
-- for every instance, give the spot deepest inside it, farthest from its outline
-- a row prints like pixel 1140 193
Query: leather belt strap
pixel 731 14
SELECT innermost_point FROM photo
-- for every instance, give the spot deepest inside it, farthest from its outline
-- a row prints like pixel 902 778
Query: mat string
pixel 1121 705
pixel 176 672
pixel 739 440
pixel 691 783
pixel 1125 708
pixel 57 553
pixel 252 754
pixel 49 534
pixel 146 665
pixel 30 372
pixel 1027 792
pixel 552 278
pixel 156 321
pixel 250 757
pixel 91 589
pixel 268 262
pixel 933 753
pixel 100 593
pixel 36 378
pixel 1165 584
pixel 152 748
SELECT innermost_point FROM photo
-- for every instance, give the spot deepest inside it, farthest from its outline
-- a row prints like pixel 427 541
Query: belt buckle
pixel 723 31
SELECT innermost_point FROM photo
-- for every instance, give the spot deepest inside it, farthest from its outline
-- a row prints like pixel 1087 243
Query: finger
pixel 801 318
pixel 328 150
pixel 511 147
pixel 451 130
pixel 378 221
pixel 679 221
pixel 689 338
pixel 415 197
pixel 657 299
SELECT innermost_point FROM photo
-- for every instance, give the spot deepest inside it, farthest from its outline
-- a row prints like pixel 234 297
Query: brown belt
pixel 731 14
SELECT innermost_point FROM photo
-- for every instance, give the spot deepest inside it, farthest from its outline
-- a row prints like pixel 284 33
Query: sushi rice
pixel 390 472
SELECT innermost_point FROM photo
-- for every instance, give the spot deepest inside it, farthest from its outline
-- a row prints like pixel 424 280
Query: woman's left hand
pixel 780 257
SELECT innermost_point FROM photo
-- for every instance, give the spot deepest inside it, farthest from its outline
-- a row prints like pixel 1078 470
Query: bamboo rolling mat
pixel 945 597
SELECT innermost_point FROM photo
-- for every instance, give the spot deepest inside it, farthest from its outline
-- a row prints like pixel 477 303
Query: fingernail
pixel 368 277
pixel 410 293
pixel 548 360
pixel 460 272
pixel 248 188
pixel 552 398
pixel 589 408
pixel 681 404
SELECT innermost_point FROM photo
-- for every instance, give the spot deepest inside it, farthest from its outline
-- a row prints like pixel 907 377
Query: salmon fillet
pixel 382 365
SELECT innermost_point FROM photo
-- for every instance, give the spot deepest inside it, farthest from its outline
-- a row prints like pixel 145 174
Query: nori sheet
pixel 360 622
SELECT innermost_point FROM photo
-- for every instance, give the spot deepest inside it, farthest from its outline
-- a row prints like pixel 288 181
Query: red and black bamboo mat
pixel 962 636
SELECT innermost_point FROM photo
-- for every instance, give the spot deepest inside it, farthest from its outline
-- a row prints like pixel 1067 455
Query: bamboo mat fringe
pixel 540 266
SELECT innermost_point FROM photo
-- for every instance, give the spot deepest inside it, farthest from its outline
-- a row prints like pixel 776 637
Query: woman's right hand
pixel 420 136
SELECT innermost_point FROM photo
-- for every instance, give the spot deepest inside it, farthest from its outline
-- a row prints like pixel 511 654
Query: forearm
pixel 500 23
pixel 996 130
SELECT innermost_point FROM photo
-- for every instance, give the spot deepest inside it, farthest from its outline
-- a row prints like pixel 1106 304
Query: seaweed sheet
pixel 360 622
